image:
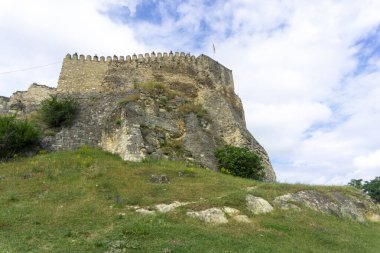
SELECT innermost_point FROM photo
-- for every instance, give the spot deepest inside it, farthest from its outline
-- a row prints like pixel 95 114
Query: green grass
pixel 71 202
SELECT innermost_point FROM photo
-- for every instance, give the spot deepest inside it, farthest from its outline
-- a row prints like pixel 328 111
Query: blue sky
pixel 308 72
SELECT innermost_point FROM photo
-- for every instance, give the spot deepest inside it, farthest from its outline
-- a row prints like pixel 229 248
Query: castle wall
pixel 106 74
pixel 81 75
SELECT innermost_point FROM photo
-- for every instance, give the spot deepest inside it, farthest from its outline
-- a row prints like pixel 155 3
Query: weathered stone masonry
pixel 122 112
pixel 89 74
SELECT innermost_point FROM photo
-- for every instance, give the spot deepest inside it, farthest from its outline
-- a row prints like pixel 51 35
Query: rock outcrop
pixel 24 102
pixel 258 205
pixel 212 215
pixel 335 204
pixel 173 106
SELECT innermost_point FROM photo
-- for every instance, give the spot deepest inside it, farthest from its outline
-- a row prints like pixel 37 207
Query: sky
pixel 308 72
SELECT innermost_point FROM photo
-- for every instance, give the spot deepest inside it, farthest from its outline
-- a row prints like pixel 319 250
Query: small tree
pixel 58 113
pixel 240 162
pixel 16 136
pixel 356 183
pixel 372 188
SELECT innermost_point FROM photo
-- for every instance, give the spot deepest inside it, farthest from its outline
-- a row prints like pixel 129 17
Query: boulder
pixel 242 218
pixel 212 215
pixel 258 205
pixel 230 211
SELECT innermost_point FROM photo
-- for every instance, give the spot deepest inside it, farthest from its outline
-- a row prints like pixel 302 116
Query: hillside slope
pixel 88 201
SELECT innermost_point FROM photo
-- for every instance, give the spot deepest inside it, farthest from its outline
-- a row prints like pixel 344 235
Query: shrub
pixel 197 109
pixel 58 113
pixel 372 188
pixel 156 89
pixel 129 98
pixel 356 183
pixel 16 136
pixel 240 162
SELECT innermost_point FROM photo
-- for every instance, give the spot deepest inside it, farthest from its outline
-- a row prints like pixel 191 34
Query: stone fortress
pixel 170 105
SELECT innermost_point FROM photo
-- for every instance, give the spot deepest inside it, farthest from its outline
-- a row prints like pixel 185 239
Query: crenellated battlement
pixel 176 56
pixel 82 73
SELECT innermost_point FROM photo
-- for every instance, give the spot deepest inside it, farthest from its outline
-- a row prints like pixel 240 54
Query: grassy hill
pixel 77 201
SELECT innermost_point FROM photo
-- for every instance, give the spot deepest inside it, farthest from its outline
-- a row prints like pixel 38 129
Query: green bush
pixel 59 112
pixel 372 188
pixel 240 162
pixel 16 136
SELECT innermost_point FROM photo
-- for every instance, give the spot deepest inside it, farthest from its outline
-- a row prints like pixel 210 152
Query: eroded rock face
pixel 258 205
pixel 127 141
pixel 336 204
pixel 217 215
pixel 4 103
pixel 23 102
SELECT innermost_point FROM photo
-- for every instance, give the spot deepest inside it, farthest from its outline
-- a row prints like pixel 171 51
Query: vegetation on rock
pixel 16 136
pixel 156 89
pixel 197 109
pixel 239 162
pixel 59 112
pixel 129 98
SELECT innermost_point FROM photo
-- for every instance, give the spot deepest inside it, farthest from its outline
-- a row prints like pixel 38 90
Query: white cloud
pixel 287 123
pixel 369 164
pixel 309 62
pixel 39 32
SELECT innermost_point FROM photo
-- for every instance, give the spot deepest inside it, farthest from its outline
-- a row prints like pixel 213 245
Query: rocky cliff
pixel 173 106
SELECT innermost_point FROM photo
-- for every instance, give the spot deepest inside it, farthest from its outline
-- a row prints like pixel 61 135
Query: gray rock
pixel 159 179
pixel 145 211
pixel 335 204
pixel 284 202
pixel 26 101
pixel 258 205
pixel 117 247
pixel 126 141
pixel 241 218
pixel 212 215
pixel 230 211
pixel 164 208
